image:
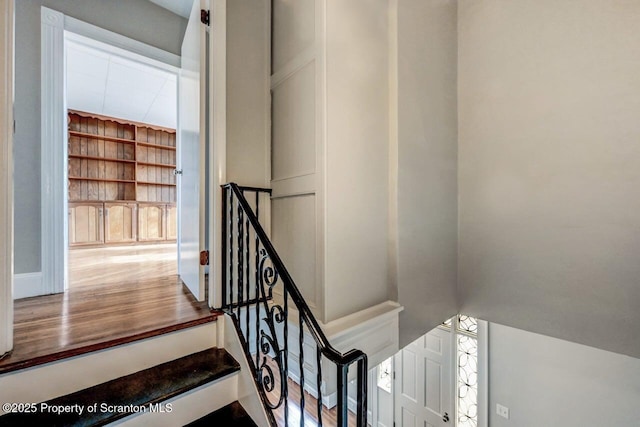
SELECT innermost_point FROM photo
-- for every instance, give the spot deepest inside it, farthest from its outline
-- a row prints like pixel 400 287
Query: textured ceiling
pixel 105 83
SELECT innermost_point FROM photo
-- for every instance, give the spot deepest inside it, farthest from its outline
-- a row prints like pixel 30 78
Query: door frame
pixel 483 373
pixel 218 143
pixel 54 195
pixel 6 174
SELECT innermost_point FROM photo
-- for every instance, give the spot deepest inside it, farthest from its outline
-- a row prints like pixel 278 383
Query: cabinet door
pixel 120 222
pixel 86 224
pixel 151 224
pixel 172 222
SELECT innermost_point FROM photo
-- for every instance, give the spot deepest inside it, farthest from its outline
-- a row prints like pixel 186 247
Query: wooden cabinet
pixel 86 224
pixel 121 183
pixel 151 222
pixel 172 222
pixel 120 222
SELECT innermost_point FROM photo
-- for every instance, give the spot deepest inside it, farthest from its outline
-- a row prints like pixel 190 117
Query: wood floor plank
pixel 95 314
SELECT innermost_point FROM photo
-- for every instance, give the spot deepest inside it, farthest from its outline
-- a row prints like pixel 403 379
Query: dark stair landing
pixel 142 388
pixel 230 415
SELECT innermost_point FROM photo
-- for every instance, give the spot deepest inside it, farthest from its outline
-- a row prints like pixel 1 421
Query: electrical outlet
pixel 503 411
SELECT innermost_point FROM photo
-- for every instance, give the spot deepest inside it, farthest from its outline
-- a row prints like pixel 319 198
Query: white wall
pixel 550 382
pixel 549 165
pixel 248 96
pixel 426 164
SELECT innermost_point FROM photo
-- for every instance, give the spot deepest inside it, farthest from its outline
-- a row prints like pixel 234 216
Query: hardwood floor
pixel 116 264
pixel 88 318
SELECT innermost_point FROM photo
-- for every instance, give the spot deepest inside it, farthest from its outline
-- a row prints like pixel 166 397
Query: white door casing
pixel 423 382
pixel 54 234
pixel 192 100
pixel 217 96
pixel 6 175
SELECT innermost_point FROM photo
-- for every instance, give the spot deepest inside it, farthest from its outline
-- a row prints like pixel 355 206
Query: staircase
pixel 265 362
pixel 174 379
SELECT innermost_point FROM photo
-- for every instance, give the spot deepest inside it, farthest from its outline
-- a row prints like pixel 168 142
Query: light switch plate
pixel 503 411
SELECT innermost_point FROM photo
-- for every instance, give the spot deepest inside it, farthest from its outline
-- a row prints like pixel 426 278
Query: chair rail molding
pixel 6 175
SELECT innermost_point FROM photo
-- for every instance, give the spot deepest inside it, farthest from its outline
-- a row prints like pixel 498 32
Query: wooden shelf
pixel 102 201
pixel 106 159
pixel 82 178
pixel 105 211
pixel 101 137
pixel 155 183
pixel 164 147
pixel 162 165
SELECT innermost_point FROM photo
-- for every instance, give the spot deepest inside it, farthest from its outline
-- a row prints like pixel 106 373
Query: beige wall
pixel 549 167
pixel 248 97
pixel 329 148
pixel 296 233
pixel 554 383
pixel 356 171
pixel 426 165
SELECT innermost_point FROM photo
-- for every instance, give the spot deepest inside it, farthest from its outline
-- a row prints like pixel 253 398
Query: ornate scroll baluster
pixel 270 364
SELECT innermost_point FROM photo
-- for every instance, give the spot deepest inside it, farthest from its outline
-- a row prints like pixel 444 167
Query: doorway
pixel 122 119
pixel 438 380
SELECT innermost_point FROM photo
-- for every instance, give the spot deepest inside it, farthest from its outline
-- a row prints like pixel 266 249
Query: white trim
pixel 53 152
pixel 218 141
pixel 28 285
pixel 101 46
pixel 55 29
pixel 6 174
pixel 392 213
pixel 300 61
pixel 483 373
pixel 117 40
pixel 294 186
pixel 321 122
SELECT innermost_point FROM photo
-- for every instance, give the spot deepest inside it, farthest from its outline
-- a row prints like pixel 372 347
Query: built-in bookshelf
pixel 113 165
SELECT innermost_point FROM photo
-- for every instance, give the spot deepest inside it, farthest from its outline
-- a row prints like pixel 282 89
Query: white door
pixel 191 152
pixel 423 382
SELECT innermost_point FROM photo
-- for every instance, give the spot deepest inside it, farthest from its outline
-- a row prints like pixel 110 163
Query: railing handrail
pixel 331 353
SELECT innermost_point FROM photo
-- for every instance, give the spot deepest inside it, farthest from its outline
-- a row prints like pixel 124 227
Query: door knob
pixel 445 417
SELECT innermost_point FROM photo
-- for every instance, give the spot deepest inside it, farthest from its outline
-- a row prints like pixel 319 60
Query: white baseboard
pixel 27 285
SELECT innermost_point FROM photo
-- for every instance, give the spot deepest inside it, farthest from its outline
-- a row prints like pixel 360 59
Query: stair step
pixel 230 415
pixel 120 397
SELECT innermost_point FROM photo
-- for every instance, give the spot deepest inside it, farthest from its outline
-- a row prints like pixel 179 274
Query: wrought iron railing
pixel 270 314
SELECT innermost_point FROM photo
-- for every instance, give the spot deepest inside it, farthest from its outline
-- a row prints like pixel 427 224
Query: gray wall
pixel 138 19
pixel 554 383
pixel 427 165
pixel 549 160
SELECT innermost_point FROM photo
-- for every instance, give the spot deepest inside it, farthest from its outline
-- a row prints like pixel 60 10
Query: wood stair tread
pixel 149 386
pixel 230 415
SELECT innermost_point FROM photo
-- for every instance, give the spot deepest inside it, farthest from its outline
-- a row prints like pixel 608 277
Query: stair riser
pixel 189 406
pixel 59 378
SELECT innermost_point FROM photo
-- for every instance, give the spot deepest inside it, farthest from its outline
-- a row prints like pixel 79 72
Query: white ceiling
pixel 179 7
pixel 112 85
